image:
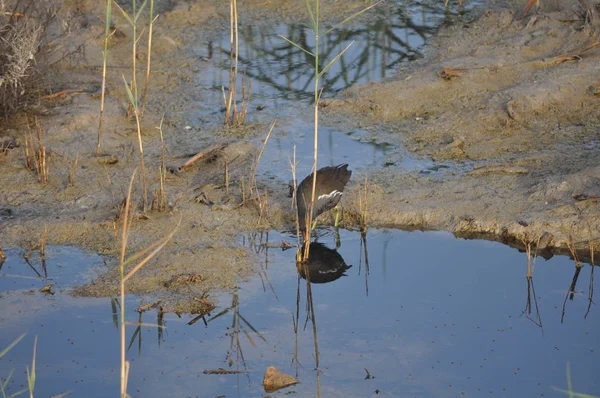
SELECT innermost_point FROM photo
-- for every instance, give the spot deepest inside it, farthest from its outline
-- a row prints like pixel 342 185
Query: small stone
pixel 275 380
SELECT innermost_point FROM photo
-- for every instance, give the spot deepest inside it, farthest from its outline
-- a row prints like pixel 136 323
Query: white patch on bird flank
pixel 331 194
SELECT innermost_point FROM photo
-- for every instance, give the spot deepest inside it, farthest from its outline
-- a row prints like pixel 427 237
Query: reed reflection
pixel 395 36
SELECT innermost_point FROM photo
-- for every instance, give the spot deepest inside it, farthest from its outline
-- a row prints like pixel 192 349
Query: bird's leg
pixel 314 224
pixel 338 241
pixel 337 216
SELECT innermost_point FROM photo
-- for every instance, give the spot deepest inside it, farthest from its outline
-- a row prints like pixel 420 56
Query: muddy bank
pixel 516 129
pixel 219 199
pixel 518 117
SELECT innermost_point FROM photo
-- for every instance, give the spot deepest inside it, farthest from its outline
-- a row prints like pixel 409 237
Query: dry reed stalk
pixel 246 94
pixel 226 177
pixel 243 190
pixel 567 57
pixel 107 34
pixel 72 171
pixel 201 155
pixel 132 92
pixel 253 186
pixel 35 155
pixel 233 63
pixel 153 19
pixel 233 117
pixel 573 252
pixel 142 163
pixel 43 240
pixel 159 201
pixel 145 255
pixel 293 165
pixel 42 163
pixel 363 205
pixel 27 154
pixel 531 259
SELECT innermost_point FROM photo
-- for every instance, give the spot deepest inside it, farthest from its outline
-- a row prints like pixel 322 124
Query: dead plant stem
pixel 150 30
pixel 104 67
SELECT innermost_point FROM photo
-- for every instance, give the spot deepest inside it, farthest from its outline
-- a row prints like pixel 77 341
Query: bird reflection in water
pixel 324 264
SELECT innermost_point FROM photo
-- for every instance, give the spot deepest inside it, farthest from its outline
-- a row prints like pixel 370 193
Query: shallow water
pixel 434 316
pixel 282 79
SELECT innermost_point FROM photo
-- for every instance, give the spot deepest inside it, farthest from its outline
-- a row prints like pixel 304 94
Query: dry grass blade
pixel 333 61
pixel 568 57
pixel 124 238
pixel 351 17
pixel 72 171
pixel 297 45
pixel 262 150
pixel 158 248
pixel 153 250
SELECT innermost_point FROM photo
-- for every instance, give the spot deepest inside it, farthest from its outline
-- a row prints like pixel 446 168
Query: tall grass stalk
pixel 134 101
pixel 107 35
pixel 233 116
pixel 261 198
pixel 294 164
pixel 159 199
pixel 314 13
pixel 143 256
pixel 230 101
pixel 132 90
pixel 153 19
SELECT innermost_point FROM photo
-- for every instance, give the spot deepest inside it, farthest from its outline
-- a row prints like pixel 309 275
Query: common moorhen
pixel 331 181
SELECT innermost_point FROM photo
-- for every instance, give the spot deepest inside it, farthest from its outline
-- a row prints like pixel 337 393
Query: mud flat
pixel 516 108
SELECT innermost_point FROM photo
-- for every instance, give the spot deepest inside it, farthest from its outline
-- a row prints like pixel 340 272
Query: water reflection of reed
pixel 239 325
pixel 364 254
pixel 530 305
pixel 533 249
pixel 160 324
pixel 381 44
pixel 572 291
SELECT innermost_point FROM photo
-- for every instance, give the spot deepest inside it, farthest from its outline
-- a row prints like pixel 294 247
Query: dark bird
pixel 324 264
pixel 331 181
